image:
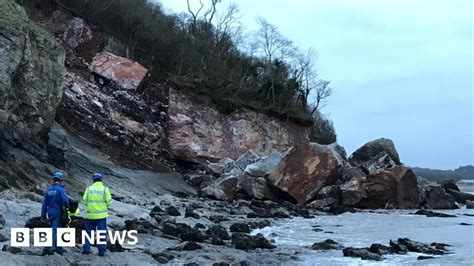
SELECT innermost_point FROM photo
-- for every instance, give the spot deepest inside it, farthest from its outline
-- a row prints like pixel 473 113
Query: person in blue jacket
pixel 54 203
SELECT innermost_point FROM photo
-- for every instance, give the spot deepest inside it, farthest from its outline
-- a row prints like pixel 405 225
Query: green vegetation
pixel 203 50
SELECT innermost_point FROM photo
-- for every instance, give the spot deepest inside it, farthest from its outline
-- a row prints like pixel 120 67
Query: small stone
pixel 433 214
pixel 424 257
pixel 3 237
pixel 162 257
pixel 172 211
pixel 12 250
pixel 189 212
pixel 220 264
pixel 2 221
pixel 218 218
pixel 240 227
pixel 199 226
pixel 190 245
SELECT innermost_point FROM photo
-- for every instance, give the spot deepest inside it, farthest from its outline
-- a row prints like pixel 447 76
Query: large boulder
pixel 434 196
pixel 371 149
pixel 265 165
pixel 224 165
pixel 125 73
pixel 449 184
pixel 380 161
pixel 31 74
pixel 249 169
pixel 224 188
pixel 198 132
pixel 307 168
pixel 460 197
pixel 352 192
pixel 328 196
pixel 257 187
pixel 394 187
pixel 349 172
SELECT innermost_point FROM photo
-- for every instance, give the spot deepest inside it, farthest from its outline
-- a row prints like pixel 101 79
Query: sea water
pixel 361 229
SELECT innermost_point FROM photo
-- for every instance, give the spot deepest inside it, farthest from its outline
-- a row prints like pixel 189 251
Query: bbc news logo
pixel 66 237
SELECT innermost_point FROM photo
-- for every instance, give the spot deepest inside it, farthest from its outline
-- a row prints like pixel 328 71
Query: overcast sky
pixel 400 69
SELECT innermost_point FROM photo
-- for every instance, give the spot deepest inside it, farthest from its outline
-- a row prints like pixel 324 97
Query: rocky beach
pixel 200 186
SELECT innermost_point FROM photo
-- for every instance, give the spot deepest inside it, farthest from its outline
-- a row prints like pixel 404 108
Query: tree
pixel 275 50
pixel 215 35
pixel 304 74
pixel 323 91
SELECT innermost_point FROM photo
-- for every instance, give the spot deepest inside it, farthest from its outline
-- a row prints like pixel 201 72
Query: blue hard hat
pixel 58 175
pixel 97 176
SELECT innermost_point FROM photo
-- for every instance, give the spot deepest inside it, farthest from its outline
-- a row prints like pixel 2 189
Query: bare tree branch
pixel 194 15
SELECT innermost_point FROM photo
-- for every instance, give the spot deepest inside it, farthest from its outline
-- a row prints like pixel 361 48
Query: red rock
pixel 306 169
pixel 394 187
pixel 197 132
pixel 124 72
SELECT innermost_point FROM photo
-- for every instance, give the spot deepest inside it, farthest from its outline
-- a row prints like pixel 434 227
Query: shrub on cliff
pixel 323 131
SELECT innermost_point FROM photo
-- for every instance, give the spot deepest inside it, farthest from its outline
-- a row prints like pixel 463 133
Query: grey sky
pixel 400 69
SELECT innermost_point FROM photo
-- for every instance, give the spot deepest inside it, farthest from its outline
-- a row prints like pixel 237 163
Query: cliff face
pixel 197 132
pixel 31 74
pixel 120 123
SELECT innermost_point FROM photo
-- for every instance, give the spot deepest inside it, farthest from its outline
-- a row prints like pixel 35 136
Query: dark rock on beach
pixel 363 253
pixel 172 211
pixel 327 244
pixel 247 242
pixel 240 227
pixel 433 214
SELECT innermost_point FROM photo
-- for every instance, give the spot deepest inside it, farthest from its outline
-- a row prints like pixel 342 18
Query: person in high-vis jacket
pixel 70 214
pixel 97 200
pixel 54 203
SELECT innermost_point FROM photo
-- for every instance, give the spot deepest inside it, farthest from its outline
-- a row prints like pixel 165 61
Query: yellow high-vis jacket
pixel 97 199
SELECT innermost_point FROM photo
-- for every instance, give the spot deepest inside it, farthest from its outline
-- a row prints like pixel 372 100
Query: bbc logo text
pixel 66 237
